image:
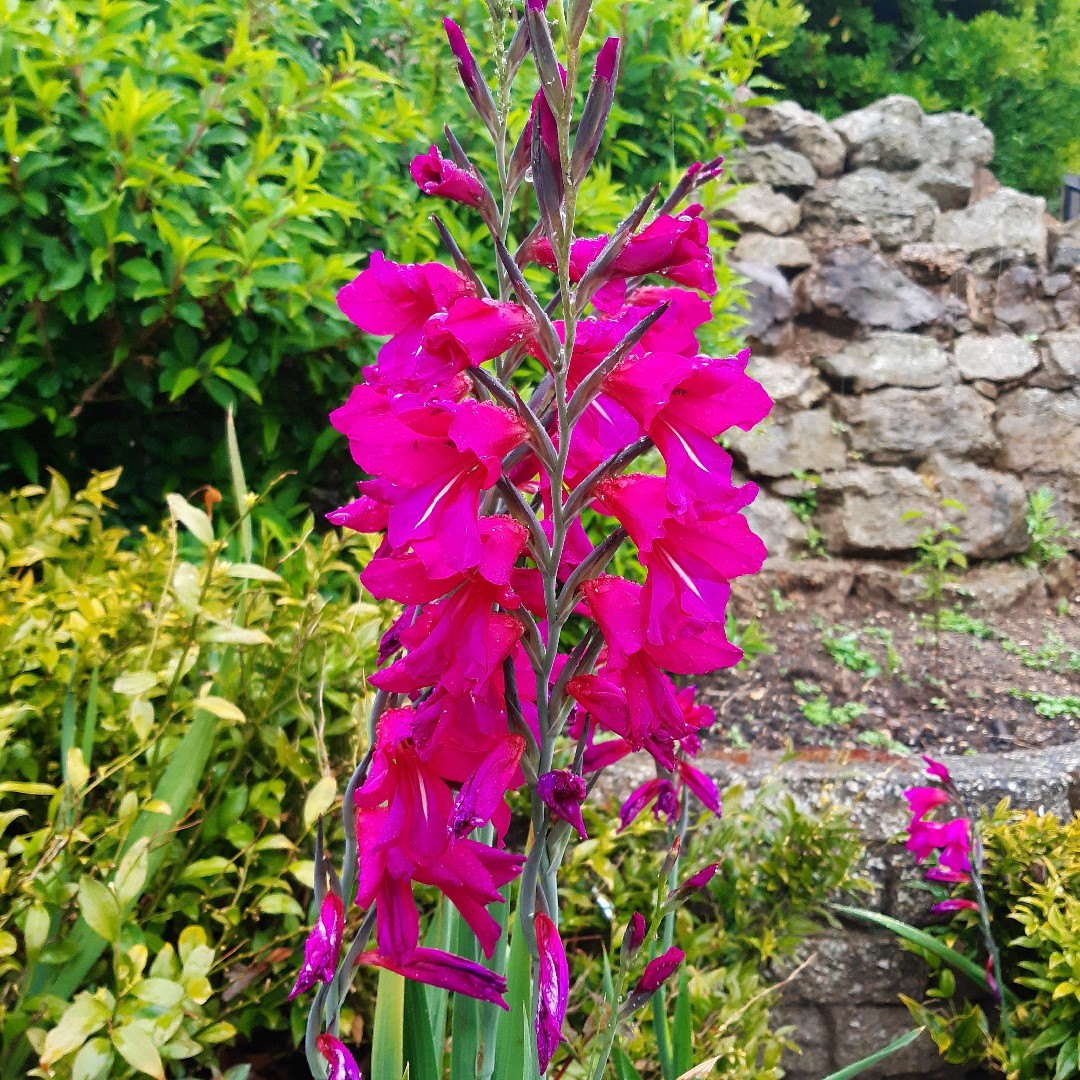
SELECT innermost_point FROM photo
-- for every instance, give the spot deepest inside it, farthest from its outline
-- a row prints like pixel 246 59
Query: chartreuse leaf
pixel 419 1045
pixel 137 1048
pixel 683 1047
pixel 514 1040
pixel 99 908
pixel 85 1015
pixel 869 1062
pixel 465 1020
pixel 931 944
pixel 196 520
pixel 387 1047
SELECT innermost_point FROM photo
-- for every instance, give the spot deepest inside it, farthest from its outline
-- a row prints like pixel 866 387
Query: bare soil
pixel 852 673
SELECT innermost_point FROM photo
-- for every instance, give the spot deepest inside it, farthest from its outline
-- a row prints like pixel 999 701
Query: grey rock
pixel 812 1034
pixel 887 134
pixel 883 583
pixel 860 509
pixel 884 970
pixel 775 522
pixel 788 252
pixel 770 299
pixel 788 444
pixel 895 213
pixel 1003 587
pixel 1062 353
pixel 1016 302
pixel 790 125
pixel 992 525
pixel 758 206
pixel 790 384
pixel 774 165
pixel 888 359
pixel 930 263
pixel 948 183
pixel 862 1029
pixel 1040 431
pixel 857 284
pixel 1006 228
pixel 1064 245
pixel 957 137
pixel 898 425
pixel 998 359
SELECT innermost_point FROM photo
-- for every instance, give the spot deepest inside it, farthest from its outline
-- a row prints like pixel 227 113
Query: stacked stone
pixel 912 319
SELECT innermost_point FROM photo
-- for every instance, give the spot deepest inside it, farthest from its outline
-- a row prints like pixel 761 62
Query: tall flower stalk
pixel 491 421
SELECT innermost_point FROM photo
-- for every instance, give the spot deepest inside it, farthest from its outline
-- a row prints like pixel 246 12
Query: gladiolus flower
pixel 660 791
pixel 937 770
pixel 553 980
pixel 475 330
pixel 562 793
pixel 684 403
pixel 342 1064
pixel 923 799
pixel 947 907
pixel 484 792
pixel 323 946
pixel 446 971
pixel 397 299
pixel 435 175
pixel 658 971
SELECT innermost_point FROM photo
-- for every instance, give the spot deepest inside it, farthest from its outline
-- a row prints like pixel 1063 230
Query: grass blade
pixel 240 491
pixel 465 1021
pixel 877 1057
pixel 683 1048
pixel 926 941
pixel 387 1048
pixel 512 1038
pixel 624 1067
pixel 419 1045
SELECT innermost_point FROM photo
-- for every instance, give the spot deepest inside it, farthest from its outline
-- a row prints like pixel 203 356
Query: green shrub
pixel 1032 880
pixel 1015 64
pixel 184 187
pixel 165 706
pixel 779 869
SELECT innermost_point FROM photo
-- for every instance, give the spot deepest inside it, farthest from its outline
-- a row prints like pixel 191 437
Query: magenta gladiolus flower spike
pixel 323 946
pixel 496 418
pixel 949 907
pixel 937 770
pixel 434 175
pixel 342 1064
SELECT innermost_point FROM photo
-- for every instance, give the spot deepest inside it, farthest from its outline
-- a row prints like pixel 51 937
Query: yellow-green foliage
pixel 1032 877
pixel 174 716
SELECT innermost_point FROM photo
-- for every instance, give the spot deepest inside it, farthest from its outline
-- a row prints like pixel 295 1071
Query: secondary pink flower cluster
pixel 949 840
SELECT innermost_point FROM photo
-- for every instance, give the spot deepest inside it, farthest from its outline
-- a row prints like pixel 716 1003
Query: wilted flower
pixel 322 947
pixel 563 792
pixel 342 1064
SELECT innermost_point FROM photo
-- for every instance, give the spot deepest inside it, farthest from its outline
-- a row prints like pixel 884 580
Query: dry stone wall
pixel 911 319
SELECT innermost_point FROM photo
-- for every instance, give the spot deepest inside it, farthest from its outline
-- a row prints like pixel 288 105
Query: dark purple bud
pixel 658 971
pixel 562 793
pixel 635 933
pixel 579 16
pixel 696 881
pixel 597 108
pixel 553 983
pixel 672 857
pixel 546 167
pixel 552 79
pixel 471 77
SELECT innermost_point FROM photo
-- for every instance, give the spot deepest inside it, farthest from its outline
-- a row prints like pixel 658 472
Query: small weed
pixel 1062 607
pixel 736 739
pixel 1049 705
pixel 821 714
pixel 939 703
pixel 805 689
pixel 845 649
pixel 804 506
pixel 1045 531
pixel 780 605
pixel 957 621
pixel 752 638
pixel 882 740
pixel 1052 655
pixel 894 662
